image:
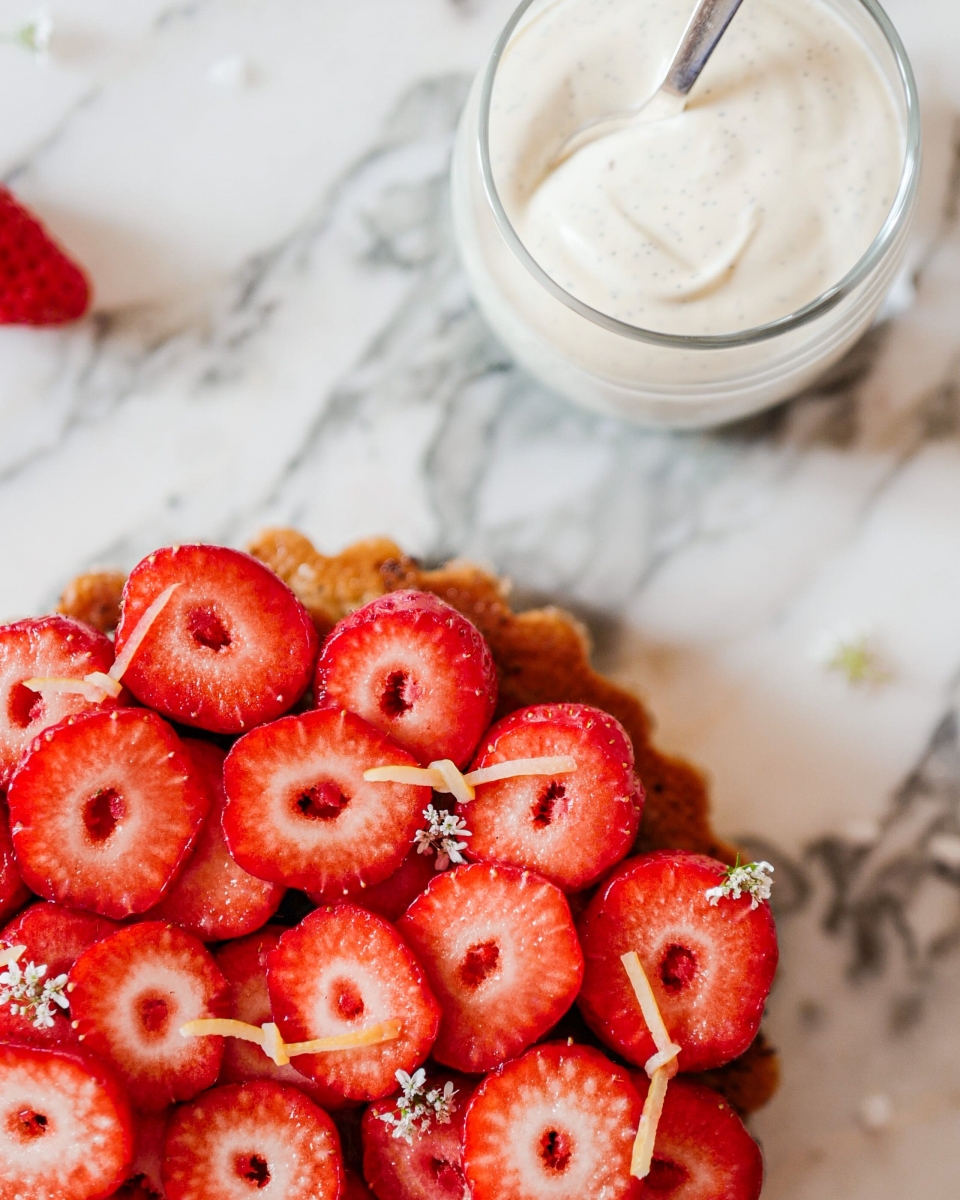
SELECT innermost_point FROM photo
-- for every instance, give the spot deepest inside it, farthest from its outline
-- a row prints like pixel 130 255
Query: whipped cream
pixel 761 195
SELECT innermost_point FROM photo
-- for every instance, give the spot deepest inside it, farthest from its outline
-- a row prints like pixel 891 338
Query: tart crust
pixel 542 657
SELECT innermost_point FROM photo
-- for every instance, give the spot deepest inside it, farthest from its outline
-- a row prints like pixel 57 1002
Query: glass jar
pixel 664 379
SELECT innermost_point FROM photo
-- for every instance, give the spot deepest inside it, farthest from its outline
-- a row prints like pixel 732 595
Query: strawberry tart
pixel 331 878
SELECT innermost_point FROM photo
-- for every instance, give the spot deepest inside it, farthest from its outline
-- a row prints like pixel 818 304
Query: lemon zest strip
pixel 270 1040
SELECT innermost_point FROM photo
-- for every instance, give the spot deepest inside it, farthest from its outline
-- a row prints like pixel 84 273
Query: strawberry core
pixel 555 1151
pixel 399 694
pixel 254 1169
pixel 323 802
pixel 23 706
pixel 479 962
pixel 208 630
pixel 27 1125
pixel 542 811
pixel 349 1002
pixel 677 968
pixel 102 813
pixel 154 1013
pixel 664 1178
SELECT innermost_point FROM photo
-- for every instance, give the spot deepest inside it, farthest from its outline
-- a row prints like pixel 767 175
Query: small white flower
pixel 751 879
pixel 441 836
pixel 854 654
pixel 34 35
pixel 417 1109
pixel 29 995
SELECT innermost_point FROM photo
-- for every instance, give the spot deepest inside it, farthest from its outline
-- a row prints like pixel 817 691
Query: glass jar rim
pixel 899 211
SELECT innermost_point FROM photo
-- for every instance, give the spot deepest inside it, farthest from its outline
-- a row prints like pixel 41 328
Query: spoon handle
pixel 704 30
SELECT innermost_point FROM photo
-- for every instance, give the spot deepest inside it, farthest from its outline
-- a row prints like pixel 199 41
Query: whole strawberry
pixel 39 285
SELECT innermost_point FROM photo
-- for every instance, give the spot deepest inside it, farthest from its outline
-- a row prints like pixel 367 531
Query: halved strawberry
pixel 103 808
pixel 710 967
pixel 570 828
pixel 702 1150
pixel 244 965
pixel 557 1124
pixel 394 895
pixel 43 648
pixel 241 1138
pixel 232 648
pixel 55 937
pixel 14 893
pixel 299 811
pixel 428 1166
pixel 414 668
pixel 39 284
pixel 342 970
pixel 500 951
pixel 129 996
pixel 66 1131
pixel 212 896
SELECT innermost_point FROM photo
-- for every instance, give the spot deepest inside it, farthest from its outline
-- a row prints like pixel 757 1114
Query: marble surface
pixel 282 334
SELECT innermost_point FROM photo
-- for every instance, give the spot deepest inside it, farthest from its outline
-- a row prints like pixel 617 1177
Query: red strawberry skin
pixel 233 1141
pixel 103 809
pixel 702 1151
pixel 500 951
pixel 394 895
pixel 44 648
pixel 428 1169
pixel 354 1188
pixel 299 811
pixel 39 284
pixel 710 968
pixel 212 897
pixel 56 936
pixel 244 966
pixel 573 828
pixel 68 1102
pixel 131 993
pixel 14 893
pixel 557 1124
pixel 233 647
pixel 343 969
pixel 415 669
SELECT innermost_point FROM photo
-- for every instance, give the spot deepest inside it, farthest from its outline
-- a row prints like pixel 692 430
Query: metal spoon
pixel 705 28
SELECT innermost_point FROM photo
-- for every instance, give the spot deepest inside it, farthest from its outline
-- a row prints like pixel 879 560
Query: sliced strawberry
pixel 66 1131
pixel 500 951
pixel 14 893
pixel 130 995
pixel 232 648
pixel 213 897
pixel 414 668
pixel 103 808
pixel 710 967
pixel 56 937
pixel 244 965
pixel 144 1180
pixel 238 1139
pixel 570 828
pixel 428 1166
pixel 299 811
pixel 341 970
pixel 39 284
pixel 557 1124
pixel 44 648
pixel 702 1150
pixel 393 896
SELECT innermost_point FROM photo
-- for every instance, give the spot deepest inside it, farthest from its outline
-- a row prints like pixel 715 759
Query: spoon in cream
pixel 704 30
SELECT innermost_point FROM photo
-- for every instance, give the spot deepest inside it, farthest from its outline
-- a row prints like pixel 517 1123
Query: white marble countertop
pixel 282 334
